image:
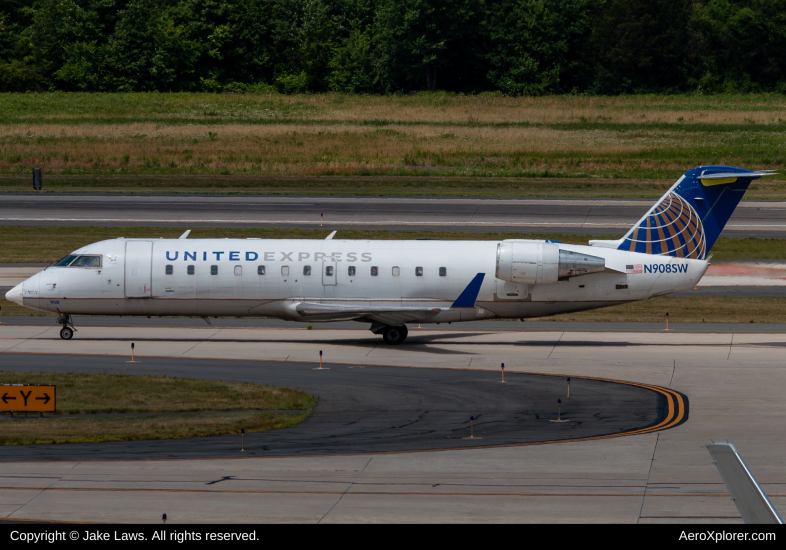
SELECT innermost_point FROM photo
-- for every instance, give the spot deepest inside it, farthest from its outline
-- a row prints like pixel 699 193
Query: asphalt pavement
pixel 582 216
pixel 371 409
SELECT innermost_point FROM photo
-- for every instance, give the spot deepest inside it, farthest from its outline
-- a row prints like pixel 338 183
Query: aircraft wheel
pixel 395 335
pixel 66 333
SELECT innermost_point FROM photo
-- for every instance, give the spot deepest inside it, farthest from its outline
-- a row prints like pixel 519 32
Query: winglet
pixel 469 295
pixel 329 237
pixel 185 235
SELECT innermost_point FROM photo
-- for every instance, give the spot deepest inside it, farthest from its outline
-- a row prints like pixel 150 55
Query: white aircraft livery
pixel 391 283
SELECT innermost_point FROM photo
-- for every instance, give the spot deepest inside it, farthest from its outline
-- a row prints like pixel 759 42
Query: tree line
pixel 517 47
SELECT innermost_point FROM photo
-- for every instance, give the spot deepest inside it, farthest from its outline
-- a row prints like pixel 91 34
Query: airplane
pixel 391 283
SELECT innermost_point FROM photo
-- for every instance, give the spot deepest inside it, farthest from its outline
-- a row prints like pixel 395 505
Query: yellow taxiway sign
pixel 20 398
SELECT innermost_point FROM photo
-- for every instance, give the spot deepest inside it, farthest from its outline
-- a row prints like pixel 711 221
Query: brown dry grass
pixel 307 149
pixel 688 310
pixel 542 110
pixel 628 137
pixel 33 431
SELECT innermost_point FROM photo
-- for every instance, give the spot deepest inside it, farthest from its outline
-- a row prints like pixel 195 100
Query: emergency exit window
pixel 329 270
pixel 260 270
pixel 238 270
pixel 214 270
pixel 169 270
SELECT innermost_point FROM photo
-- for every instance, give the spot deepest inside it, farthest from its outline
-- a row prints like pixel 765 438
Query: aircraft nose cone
pixel 15 294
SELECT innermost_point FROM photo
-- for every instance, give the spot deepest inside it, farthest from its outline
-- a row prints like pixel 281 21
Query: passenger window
pixel 260 270
pixel 190 270
pixel 374 271
pixel 307 270
pixel 418 272
pixel 169 270
pixel 351 271
pixel 214 270
pixel 238 270
pixel 443 271
pixel 285 270
pixel 329 270
pixel 396 272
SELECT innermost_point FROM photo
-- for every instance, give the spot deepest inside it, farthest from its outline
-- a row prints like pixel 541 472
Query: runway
pixel 586 216
pixel 734 382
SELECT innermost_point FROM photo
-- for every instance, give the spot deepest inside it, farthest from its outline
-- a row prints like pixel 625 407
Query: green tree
pixel 20 59
pixel 430 43
pixel 642 45
pixel 538 46
pixel 742 45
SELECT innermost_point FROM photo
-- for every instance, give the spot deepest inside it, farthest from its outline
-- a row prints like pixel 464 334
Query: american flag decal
pixel 633 269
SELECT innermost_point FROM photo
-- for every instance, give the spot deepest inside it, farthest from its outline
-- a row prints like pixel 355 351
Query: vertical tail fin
pixel 688 219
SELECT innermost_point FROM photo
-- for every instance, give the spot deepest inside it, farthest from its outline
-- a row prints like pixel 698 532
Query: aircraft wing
pixel 389 315
pixel 751 500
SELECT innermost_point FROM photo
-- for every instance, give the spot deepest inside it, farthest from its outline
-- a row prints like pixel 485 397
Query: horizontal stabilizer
pixel 470 294
pixel 724 175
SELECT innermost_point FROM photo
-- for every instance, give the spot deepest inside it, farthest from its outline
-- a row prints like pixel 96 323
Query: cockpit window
pixel 87 261
pixel 65 261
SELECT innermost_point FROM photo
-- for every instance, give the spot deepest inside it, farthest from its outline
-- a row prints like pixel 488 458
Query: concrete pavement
pixel 734 382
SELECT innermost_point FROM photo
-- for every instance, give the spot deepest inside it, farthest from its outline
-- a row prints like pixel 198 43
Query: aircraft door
pixel 329 273
pixel 139 269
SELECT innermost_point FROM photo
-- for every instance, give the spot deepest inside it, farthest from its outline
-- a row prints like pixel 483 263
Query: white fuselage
pixel 226 279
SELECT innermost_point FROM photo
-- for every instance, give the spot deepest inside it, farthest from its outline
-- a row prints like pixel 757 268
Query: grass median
pixel 627 146
pixel 135 408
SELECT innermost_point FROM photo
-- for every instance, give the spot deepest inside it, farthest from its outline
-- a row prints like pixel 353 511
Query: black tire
pixel 395 335
pixel 66 333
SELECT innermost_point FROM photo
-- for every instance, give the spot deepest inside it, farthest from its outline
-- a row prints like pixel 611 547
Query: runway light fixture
pixel 503 372
pixel 568 397
pixel 163 519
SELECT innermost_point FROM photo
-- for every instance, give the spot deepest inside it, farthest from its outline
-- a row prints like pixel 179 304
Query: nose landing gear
pixel 67 332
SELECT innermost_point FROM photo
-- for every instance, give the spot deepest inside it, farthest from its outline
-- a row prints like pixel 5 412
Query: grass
pixel 260 139
pixel 119 394
pixel 711 309
pixel 36 431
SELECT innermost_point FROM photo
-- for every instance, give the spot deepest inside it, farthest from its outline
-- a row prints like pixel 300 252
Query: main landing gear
pixel 67 332
pixel 390 334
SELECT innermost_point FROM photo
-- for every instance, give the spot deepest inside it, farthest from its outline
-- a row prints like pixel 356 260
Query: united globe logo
pixel 673 228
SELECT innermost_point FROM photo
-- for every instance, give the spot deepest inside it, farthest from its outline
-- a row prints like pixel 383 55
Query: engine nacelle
pixel 542 263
